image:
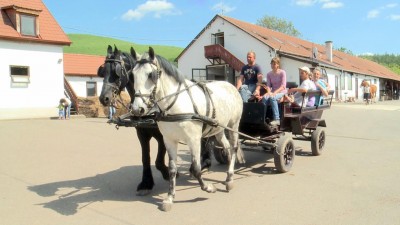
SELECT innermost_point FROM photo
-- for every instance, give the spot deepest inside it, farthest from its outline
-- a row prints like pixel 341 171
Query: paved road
pixel 84 171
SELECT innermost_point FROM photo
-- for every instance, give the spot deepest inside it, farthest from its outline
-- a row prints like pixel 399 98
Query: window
pixel 19 76
pixel 218 38
pixel 28 25
pixel 350 83
pixel 342 82
pixel 91 88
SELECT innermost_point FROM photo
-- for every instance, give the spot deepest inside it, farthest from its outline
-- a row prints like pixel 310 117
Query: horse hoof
pixel 210 188
pixel 229 185
pixel 143 192
pixel 166 206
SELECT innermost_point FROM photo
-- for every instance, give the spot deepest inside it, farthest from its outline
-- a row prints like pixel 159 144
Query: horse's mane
pixel 168 67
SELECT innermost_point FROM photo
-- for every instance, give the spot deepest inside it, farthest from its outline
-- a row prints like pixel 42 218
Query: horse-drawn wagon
pixel 299 123
pixel 189 111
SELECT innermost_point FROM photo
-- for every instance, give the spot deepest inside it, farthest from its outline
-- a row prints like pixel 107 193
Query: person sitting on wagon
pixel 263 91
pixel 250 75
pixel 276 80
pixel 306 85
pixel 321 85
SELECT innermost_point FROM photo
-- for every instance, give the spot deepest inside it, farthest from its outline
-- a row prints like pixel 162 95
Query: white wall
pixel 78 84
pixel 233 41
pixel 46 85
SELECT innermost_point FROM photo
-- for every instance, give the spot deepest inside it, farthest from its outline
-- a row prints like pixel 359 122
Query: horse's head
pixel 146 75
pixel 155 77
pixel 116 73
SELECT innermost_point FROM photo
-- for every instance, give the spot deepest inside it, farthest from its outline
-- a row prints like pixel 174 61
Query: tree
pixel 345 50
pixel 280 25
pixel 391 61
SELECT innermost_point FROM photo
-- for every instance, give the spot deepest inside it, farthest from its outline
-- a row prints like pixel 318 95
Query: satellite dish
pixel 315 53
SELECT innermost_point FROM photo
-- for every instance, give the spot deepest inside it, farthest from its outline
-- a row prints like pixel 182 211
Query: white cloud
pixel 392 5
pixel 305 2
pixel 332 5
pixel 376 12
pixel 395 17
pixel 367 53
pixel 156 7
pixel 222 7
pixel 326 4
pixel 373 14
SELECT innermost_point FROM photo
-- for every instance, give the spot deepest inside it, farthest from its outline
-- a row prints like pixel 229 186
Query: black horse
pixel 116 73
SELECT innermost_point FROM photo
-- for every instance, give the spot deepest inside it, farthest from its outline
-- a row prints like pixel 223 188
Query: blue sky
pixel 362 26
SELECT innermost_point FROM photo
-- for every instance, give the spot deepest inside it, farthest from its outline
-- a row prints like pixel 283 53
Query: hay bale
pixel 91 106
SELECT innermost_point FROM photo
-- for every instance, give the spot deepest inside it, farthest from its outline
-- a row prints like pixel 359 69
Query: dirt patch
pixel 91 106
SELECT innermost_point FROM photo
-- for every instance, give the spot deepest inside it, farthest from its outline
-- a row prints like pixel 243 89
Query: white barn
pixel 31 52
pixel 81 74
pixel 220 49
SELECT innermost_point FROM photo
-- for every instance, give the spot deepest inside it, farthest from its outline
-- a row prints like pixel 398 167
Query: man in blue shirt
pixel 249 77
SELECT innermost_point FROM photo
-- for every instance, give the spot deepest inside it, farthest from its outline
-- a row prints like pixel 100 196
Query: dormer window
pixel 28 25
pixel 25 20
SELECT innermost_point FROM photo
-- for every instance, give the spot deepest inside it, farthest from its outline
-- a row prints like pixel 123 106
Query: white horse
pixel 158 83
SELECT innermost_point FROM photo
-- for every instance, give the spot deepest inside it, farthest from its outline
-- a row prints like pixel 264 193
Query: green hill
pixel 97 45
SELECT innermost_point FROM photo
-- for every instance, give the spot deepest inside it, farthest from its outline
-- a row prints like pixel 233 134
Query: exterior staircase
pixel 69 92
pixel 217 53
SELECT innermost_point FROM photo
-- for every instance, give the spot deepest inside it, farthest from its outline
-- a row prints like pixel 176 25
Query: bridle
pixel 122 74
pixel 150 99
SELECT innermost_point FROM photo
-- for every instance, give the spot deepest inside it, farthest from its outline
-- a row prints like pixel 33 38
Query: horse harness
pixel 162 116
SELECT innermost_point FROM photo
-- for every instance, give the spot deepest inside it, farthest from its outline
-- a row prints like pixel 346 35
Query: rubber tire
pixel 219 154
pixel 284 154
pixel 318 141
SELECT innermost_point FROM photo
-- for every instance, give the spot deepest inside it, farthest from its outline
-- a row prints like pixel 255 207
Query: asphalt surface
pixel 84 171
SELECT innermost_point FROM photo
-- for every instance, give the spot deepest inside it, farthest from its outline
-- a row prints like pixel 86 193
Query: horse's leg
pixel 194 145
pixel 172 148
pixel 205 154
pixel 221 138
pixel 160 161
pixel 147 183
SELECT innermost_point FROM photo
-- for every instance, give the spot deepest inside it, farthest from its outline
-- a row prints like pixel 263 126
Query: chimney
pixel 328 49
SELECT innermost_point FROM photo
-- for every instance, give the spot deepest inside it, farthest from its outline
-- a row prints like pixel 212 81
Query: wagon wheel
pixel 284 154
pixel 318 141
pixel 219 154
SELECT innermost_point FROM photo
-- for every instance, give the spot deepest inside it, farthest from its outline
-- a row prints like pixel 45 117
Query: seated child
pixel 263 90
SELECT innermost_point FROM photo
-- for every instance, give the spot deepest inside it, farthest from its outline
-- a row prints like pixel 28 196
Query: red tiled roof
pixel 49 29
pixel 82 65
pixel 298 47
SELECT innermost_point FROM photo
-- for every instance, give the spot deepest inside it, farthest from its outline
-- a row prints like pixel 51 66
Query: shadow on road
pixel 117 185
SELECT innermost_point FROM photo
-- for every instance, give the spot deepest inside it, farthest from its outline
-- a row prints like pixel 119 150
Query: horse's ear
pixel 109 50
pixel 133 54
pixel 100 71
pixel 115 49
pixel 151 53
pixel 117 53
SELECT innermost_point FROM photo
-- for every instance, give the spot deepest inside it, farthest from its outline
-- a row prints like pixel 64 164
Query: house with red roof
pixel 219 51
pixel 81 74
pixel 32 68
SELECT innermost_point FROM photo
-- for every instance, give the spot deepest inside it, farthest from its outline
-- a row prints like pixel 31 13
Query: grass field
pixel 97 45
